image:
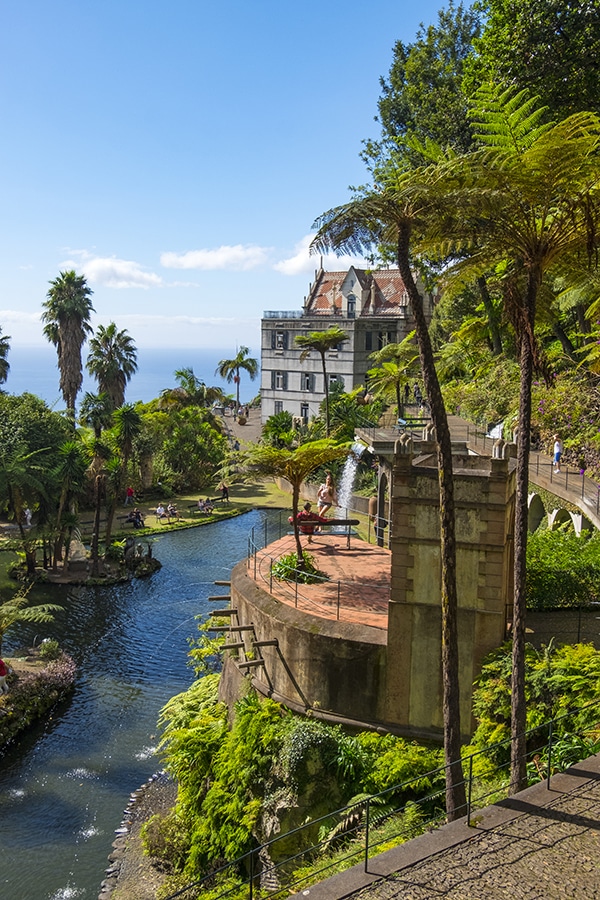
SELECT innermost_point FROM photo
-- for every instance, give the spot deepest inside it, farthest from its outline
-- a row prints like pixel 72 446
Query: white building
pixel 371 307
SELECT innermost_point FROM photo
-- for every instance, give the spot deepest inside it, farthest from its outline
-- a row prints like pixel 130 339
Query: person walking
pixel 3 674
pixel 558 451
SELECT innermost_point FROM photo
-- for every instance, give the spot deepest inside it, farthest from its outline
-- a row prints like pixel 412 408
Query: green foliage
pixel 278 430
pixel 205 652
pixel 557 680
pixel 17 609
pixel 313 747
pixel 50 649
pixel 167 838
pixel 563 570
pixel 547 46
pixel 286 569
pixel 394 760
pixel 570 406
pixel 422 93
pixel 241 770
pixel 487 393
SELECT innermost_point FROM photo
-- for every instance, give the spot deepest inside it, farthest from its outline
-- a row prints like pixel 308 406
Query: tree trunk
pixel 96 534
pixel 491 316
pixel 455 787
pixel 563 337
pixel 518 777
pixel 295 502
pixel 583 322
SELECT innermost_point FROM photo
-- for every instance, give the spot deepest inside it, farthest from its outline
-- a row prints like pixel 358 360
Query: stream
pixel 65 785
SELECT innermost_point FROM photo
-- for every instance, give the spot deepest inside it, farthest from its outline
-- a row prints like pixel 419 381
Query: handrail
pixel 263 561
pixel 364 830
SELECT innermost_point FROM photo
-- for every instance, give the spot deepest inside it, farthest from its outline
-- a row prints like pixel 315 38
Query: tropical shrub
pixel 563 570
pixel 286 569
pixel 557 680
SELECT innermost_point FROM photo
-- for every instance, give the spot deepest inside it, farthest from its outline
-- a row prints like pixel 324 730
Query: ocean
pixel 34 369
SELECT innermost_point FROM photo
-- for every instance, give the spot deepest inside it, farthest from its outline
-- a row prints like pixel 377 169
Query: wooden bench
pixel 324 529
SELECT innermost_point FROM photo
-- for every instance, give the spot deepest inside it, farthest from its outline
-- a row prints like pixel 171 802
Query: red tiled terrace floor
pixel 358 588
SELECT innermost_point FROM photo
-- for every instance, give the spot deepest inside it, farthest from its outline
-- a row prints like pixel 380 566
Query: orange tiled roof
pixel 380 293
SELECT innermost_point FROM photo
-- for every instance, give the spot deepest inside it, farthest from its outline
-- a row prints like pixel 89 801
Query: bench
pixel 323 529
pixel 127 521
pixel 409 423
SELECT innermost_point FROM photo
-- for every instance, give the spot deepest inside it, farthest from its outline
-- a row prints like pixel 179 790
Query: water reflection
pixel 64 786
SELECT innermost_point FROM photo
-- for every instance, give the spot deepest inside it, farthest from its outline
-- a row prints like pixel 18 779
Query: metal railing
pixel 377 816
pixel 333 590
pixel 583 489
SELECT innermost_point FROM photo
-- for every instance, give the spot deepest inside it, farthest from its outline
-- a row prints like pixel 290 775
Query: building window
pixel 307 381
pixel 279 381
pixel 335 380
pixel 279 340
pixel 351 306
pixel 278 406
pixel 368 341
pixel 384 338
pixel 304 413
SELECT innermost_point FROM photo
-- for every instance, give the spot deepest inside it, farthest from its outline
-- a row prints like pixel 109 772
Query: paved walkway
pixel 358 589
pixel 538 844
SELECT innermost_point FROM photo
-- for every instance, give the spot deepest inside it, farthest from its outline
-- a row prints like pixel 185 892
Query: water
pixel 63 788
pixel 33 369
pixel 346 484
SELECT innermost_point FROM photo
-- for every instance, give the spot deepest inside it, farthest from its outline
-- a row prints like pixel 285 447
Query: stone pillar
pixel 484 497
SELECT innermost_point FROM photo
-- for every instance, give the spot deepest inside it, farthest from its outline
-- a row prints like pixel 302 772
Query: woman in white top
pixel 326 495
pixel 558 449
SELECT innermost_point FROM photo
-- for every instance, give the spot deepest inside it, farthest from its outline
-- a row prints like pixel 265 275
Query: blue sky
pixel 178 153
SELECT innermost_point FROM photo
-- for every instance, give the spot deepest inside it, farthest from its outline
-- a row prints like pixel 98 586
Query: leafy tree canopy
pixel 422 94
pixel 550 47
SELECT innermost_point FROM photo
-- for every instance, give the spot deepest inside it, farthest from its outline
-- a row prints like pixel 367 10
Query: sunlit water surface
pixel 64 787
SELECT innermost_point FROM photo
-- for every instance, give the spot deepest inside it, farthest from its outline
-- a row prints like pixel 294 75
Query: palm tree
pixel 112 361
pixel 229 369
pixel 127 427
pixel 322 342
pixel 96 412
pixel 190 391
pixel 67 314
pixel 4 349
pixel 70 473
pixel 527 200
pixel 403 201
pixel 395 366
pixel 23 479
pixel 293 465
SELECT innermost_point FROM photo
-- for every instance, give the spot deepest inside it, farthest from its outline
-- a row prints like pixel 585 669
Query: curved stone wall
pixel 318 664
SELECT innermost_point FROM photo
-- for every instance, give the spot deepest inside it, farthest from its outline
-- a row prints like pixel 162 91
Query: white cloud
pixel 303 262
pixel 111 272
pixel 238 257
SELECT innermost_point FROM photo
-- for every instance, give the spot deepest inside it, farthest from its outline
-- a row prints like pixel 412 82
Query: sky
pixel 177 154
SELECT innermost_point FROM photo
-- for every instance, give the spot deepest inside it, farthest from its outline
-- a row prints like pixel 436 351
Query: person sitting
pixel 308 521
pixel 173 512
pixel 208 505
pixel 136 518
pixel 201 505
pixel 161 512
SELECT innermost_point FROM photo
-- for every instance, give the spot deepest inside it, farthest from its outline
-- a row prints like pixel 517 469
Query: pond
pixel 64 787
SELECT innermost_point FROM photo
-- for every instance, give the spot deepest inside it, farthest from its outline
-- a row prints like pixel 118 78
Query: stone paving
pixel 538 844
pixel 358 589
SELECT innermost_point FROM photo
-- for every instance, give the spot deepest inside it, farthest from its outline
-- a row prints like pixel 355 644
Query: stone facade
pixel 371 307
pixel 484 497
